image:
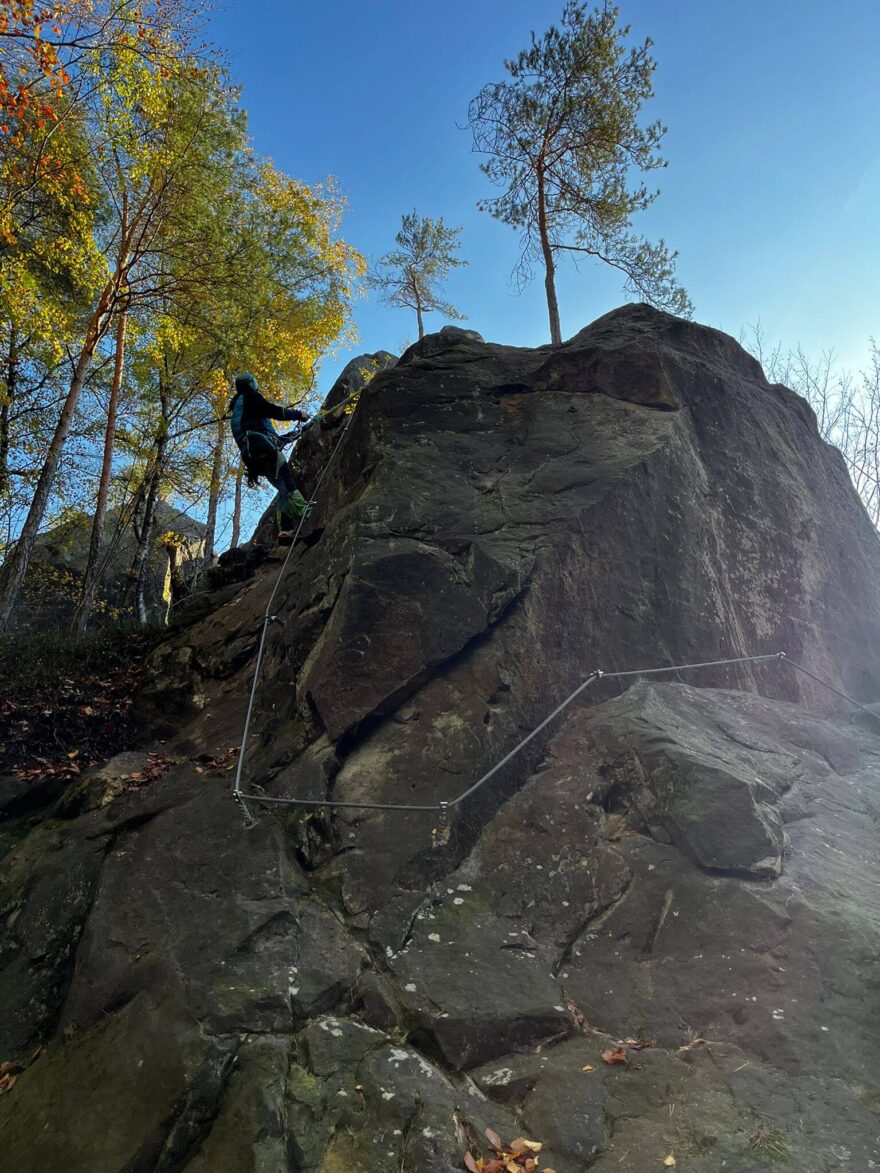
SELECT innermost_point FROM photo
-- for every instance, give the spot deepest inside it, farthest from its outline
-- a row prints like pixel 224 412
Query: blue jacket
pixel 252 412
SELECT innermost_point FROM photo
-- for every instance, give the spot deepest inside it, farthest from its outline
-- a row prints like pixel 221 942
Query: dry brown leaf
pixel 494 1139
pixel 7 1082
pixel 221 761
pixel 587 1067
pixel 470 1164
pixel 493 1166
pixel 614 1055
pixel 638 1044
pixel 670 1162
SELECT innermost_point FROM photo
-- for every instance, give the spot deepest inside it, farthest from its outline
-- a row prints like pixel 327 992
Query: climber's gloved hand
pixel 307 423
pixel 294 413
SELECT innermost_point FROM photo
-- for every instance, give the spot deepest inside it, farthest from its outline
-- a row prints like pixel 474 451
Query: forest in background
pixel 147 254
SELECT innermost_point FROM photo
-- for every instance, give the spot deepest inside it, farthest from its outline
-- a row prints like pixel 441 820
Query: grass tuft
pixel 772 1143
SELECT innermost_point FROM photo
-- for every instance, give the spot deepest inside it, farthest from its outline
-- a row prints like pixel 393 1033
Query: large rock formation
pixel 687 860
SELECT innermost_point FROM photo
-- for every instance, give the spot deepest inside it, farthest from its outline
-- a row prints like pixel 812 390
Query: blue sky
pixel 771 197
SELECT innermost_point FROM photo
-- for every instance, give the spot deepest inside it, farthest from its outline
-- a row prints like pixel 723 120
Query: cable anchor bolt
pixel 246 817
pixel 440 833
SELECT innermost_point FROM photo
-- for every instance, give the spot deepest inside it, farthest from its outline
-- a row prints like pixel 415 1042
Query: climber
pixel 262 448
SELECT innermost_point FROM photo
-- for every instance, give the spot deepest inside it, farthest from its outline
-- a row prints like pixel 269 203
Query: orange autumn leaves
pixel 30 28
pixel 620 1053
pixel 520 1156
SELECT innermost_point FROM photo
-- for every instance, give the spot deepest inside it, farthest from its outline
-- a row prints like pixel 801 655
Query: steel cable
pixel 444 805
pixel 268 617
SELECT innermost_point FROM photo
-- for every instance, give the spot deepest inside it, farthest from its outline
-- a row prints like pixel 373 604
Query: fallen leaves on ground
pixel 59 727
pixel 38 768
pixel 620 1052
pixel 222 761
pixel 670 1162
pixel 12 1069
pixel 520 1156
pixel 157 767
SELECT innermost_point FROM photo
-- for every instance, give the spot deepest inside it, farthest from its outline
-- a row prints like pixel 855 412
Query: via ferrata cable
pixel 268 617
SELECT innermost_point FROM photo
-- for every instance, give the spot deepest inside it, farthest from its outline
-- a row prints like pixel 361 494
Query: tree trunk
pixel 236 510
pixel 175 580
pixel 419 316
pixel 214 494
pixel 549 265
pixel 5 441
pixel 141 562
pixel 16 567
pixel 4 447
pixel 91 576
pixel 140 565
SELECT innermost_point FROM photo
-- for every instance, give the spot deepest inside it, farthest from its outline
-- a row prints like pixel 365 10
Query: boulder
pixel 680 870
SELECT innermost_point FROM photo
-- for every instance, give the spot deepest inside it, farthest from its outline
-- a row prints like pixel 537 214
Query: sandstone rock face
pixel 686 860
pixel 356 374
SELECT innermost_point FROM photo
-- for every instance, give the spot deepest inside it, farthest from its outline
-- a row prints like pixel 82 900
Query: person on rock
pixel 262 448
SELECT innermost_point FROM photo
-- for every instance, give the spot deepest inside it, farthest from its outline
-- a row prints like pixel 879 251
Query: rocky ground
pixel 680 875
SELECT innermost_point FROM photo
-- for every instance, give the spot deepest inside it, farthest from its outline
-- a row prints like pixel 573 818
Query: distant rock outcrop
pixel 683 866
pixel 356 374
pixel 51 588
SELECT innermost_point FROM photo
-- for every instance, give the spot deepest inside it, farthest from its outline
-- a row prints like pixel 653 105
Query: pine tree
pixel 411 275
pixel 563 136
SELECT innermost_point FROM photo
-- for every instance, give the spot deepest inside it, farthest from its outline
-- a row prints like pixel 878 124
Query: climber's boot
pixel 297 506
pixel 288 520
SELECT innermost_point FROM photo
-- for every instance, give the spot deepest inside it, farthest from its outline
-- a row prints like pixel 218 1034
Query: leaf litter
pixel 520 1156
pixel 58 725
